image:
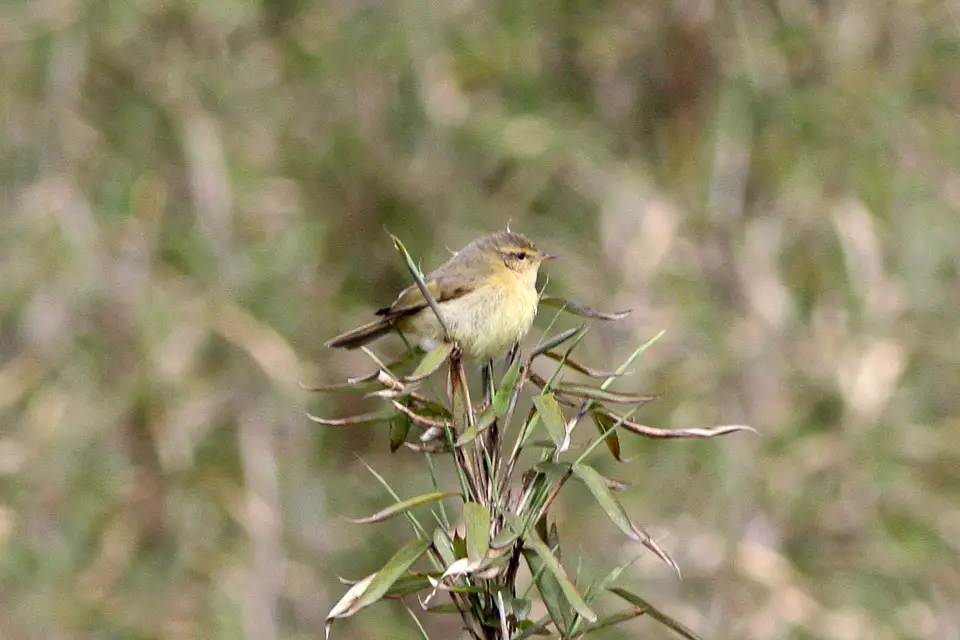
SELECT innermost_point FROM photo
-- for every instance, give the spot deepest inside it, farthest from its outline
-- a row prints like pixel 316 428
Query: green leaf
pixel 550 593
pixel 552 416
pixel 443 545
pixel 599 487
pixel 555 341
pixel 552 468
pixel 483 423
pixel 477 518
pixel 605 424
pixel 392 571
pixel 567 587
pixel 403 507
pixel 593 594
pixel 633 356
pixel 399 428
pixel 603 395
pixel 529 629
pixel 410 583
pixel 431 362
pixel 431 408
pixel 611 620
pixel 655 613
pixel 501 399
pixel 579 368
pixel 505 538
pixel 419 419
pixel 519 607
pixel 443 608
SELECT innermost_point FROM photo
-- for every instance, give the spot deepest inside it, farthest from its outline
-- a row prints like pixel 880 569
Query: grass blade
pixel 555 341
pixel 567 587
pixel 655 613
pixel 403 507
pixel 603 395
pixel 601 491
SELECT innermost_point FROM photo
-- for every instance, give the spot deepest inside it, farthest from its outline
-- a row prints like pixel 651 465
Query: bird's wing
pixel 442 288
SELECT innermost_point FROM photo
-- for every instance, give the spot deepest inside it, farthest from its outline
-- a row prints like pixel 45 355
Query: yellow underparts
pixel 485 322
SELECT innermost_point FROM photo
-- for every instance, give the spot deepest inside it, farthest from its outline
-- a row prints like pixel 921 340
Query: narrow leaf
pixel 605 425
pixel 431 362
pixel 399 428
pixel 593 594
pixel 410 583
pixel 419 419
pixel 579 368
pixel 443 545
pixel 598 486
pixel 403 507
pixel 552 416
pixel 566 586
pixel 612 620
pixel 501 399
pixel 552 468
pixel 430 408
pixel 443 608
pixel 376 416
pixel 581 309
pixel 392 571
pixel 550 593
pixel 477 518
pixel 633 356
pixel 538 628
pixel 655 613
pixel 603 395
pixel 487 418
pixel 505 538
pixel 554 341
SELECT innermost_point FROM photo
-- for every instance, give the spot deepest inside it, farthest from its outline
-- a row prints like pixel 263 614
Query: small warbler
pixel 486 294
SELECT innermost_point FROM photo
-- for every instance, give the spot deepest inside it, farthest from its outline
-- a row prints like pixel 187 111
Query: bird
pixel 486 293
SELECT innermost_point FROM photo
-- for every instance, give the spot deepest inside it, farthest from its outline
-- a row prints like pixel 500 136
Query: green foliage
pixel 501 501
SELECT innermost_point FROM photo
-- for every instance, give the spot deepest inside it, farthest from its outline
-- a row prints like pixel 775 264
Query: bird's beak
pixel 546 256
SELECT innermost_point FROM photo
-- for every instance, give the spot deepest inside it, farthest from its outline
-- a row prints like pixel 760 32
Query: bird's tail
pixel 361 335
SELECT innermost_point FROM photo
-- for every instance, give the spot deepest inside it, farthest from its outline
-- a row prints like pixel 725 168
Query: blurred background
pixel 196 195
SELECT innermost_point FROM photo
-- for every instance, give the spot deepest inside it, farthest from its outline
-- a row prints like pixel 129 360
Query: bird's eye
pixel 521 255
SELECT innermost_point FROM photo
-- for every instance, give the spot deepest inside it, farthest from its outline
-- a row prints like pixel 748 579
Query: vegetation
pixel 505 509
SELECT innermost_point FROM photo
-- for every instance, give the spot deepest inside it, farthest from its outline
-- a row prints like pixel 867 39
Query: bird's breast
pixel 487 321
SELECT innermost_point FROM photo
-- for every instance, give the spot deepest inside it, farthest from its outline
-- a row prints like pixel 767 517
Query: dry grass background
pixel 194 198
